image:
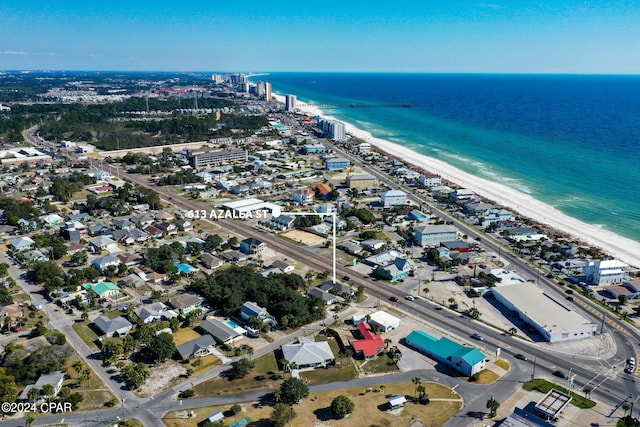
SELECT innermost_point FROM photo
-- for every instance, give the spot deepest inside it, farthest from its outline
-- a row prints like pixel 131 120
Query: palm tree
pixel 512 331
pixel 416 382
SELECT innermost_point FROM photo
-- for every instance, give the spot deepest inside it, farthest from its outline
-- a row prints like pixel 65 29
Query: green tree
pixel 9 389
pixel 162 347
pixel 293 390
pixel 241 368
pixel 136 374
pixel 4 269
pixel 47 390
pixel 341 406
pixel 492 406
pixel 282 414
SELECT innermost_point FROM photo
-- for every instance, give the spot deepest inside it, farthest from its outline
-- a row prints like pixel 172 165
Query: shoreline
pixel 619 247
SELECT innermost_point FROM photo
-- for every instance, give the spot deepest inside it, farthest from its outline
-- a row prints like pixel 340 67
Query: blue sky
pixel 561 36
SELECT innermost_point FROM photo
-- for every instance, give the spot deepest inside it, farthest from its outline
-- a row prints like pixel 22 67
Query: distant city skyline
pixel 562 36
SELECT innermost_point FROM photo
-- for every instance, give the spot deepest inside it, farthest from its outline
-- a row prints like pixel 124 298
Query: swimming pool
pixel 232 324
pixel 184 268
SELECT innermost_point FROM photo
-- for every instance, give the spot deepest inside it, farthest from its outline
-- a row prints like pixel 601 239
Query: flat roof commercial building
pixel 204 157
pixel 548 314
pixel 465 360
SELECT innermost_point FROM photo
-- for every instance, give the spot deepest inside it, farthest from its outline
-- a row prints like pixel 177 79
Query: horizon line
pixel 256 73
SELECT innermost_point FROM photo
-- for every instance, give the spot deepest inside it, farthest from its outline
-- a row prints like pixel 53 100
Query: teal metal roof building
pixel 466 360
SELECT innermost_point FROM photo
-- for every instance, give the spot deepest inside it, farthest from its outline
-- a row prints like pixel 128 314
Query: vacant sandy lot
pixel 304 237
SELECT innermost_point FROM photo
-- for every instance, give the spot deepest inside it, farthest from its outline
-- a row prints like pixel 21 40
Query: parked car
pixel 560 374
pixel 477 336
pixel 520 356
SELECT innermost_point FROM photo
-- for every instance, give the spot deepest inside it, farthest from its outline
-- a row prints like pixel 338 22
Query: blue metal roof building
pixel 465 360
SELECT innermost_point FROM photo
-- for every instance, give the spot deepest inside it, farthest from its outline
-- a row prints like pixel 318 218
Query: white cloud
pixel 13 52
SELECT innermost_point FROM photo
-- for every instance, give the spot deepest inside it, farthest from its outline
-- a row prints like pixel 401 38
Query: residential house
pixel 462 195
pixel 234 257
pixel 210 261
pixel 303 196
pixel 325 296
pixel 104 262
pixel 252 246
pixel 103 243
pixel 22 244
pixel 308 353
pixel 104 290
pixel 168 228
pixel 251 309
pixel 35 255
pixel 55 379
pixel 396 270
pixel 117 326
pixel 324 190
pixel 130 259
pixel 185 303
pixel 132 280
pixel 150 313
pixel 123 224
pixel 200 346
pixel 153 232
pixel 372 244
pixel 370 345
pixel 336 163
pixel 143 219
pixel 51 220
pixel 99 229
pixel 286 267
pixel 282 222
pixel 466 360
pixel 184 225
pixel 220 332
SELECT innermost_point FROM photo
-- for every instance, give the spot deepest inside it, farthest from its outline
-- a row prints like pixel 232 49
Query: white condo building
pixel 393 198
pixel 290 103
pixel 605 272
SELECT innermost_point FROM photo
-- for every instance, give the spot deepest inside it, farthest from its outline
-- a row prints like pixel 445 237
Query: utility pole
pixel 533 374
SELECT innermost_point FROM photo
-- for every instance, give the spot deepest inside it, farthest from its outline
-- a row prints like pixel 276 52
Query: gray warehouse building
pixel 548 314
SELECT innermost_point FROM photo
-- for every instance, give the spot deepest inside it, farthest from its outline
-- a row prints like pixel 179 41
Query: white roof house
pixel 384 320
pixel 22 243
pixel 308 353
pixel 605 272
pixel 393 198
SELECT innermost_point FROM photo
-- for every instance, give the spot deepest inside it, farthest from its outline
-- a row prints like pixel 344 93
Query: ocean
pixel 570 141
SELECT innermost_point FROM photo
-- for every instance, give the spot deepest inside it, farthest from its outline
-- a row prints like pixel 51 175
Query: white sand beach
pixel 619 247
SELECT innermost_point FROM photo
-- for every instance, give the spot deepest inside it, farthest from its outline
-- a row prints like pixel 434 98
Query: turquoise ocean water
pixel 570 141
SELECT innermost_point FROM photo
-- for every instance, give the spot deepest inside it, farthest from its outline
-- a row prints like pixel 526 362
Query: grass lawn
pixel 370 409
pixel 205 226
pixel 544 386
pixel 182 336
pixel 113 314
pixel 503 364
pixel 263 365
pixel 87 334
pixel 342 258
pixel 381 364
pixel 206 363
pixel 95 393
pixel 487 377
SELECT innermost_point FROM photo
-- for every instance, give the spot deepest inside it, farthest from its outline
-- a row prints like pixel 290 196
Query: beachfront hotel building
pixel 290 103
pixel 204 157
pixel 334 129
